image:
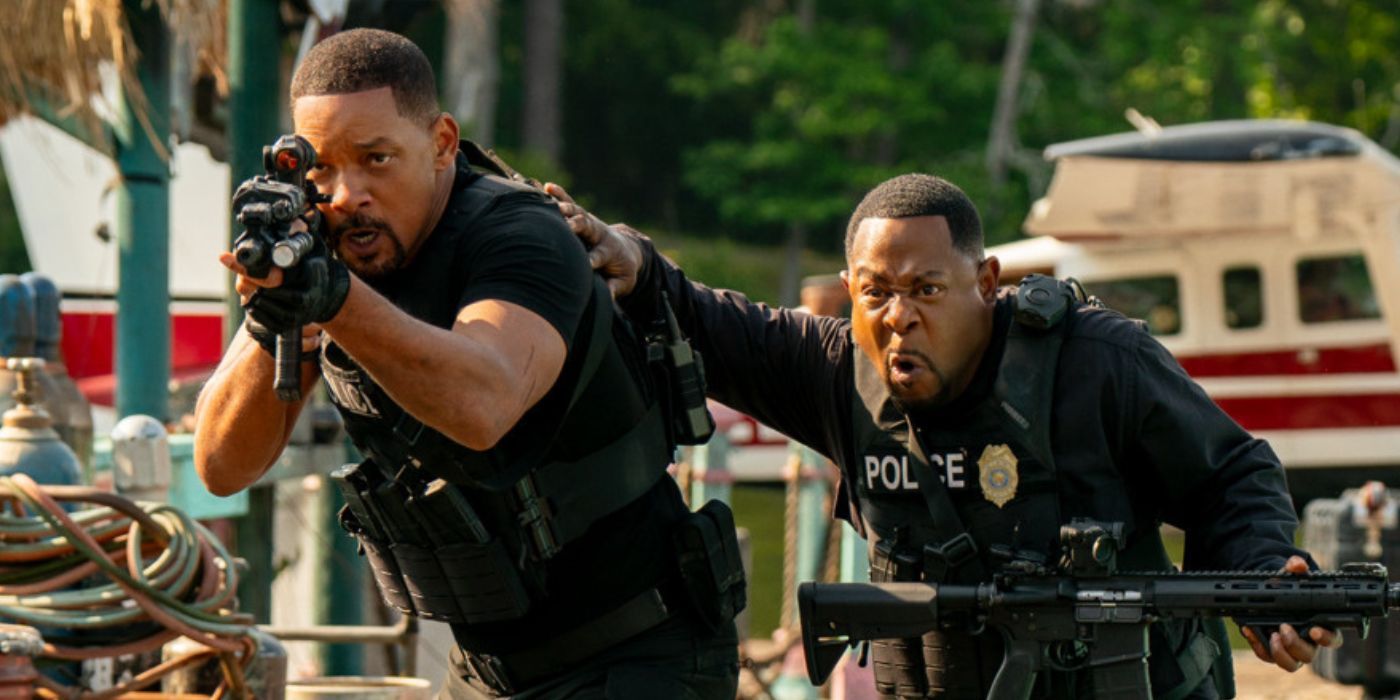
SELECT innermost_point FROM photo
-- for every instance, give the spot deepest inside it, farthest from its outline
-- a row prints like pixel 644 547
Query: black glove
pixel 311 292
pixel 267 340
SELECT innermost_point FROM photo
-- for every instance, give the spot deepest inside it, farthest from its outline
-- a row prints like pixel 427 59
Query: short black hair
pixel 366 59
pixel 917 194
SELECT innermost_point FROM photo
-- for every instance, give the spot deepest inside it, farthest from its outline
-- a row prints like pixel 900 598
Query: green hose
pixel 170 579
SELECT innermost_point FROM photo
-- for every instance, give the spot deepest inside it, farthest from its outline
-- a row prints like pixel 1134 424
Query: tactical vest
pixel 999 469
pixel 457 535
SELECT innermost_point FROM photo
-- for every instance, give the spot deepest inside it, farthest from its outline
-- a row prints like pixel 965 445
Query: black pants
pixel 672 660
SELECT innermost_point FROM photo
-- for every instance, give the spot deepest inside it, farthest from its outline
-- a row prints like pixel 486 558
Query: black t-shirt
pixel 520 250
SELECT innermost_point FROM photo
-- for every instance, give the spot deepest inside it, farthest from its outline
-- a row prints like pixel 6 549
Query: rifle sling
pixel 946 523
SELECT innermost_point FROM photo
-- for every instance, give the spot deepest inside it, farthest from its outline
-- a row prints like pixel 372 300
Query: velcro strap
pixel 521 670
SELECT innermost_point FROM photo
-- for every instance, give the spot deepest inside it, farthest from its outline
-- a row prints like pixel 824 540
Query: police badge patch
pixel 998 474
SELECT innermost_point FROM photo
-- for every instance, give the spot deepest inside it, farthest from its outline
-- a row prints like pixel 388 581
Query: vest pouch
pixel 710 566
pixel 387 575
pixel 898 664
pixel 462 582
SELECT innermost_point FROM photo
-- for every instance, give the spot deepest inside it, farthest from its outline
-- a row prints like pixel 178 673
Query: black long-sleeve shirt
pixel 1124 409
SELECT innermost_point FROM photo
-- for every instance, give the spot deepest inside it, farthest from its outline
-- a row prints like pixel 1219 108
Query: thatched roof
pixel 51 50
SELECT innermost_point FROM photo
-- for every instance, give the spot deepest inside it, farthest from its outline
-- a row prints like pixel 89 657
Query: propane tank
pixel 19 644
pixel 75 428
pixel 16 318
pixel 28 442
pixel 18 331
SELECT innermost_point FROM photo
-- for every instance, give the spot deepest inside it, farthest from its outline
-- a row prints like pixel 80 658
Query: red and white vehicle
pixel 63 194
pixel 1266 256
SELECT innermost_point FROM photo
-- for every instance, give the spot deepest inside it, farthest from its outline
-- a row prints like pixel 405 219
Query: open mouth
pixel 905 368
pixel 360 241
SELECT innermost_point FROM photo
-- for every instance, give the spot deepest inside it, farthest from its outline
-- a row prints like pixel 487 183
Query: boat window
pixel 1244 297
pixel 1335 288
pixel 1155 299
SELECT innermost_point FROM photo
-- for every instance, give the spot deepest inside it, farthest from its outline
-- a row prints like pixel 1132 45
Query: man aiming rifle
pixel 516 429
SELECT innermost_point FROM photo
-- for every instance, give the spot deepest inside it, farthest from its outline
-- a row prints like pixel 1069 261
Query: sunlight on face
pixel 921 310
pixel 382 172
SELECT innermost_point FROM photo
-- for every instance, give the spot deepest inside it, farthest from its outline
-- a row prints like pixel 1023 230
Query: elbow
pixel 482 426
pixel 220 477
pixel 482 434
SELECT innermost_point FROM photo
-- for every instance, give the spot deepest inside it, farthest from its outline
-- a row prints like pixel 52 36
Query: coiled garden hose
pixel 161 566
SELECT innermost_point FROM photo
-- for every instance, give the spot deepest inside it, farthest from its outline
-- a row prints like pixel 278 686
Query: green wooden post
pixel 709 471
pixel 342 590
pixel 254 102
pixel 143 225
pixel 812 517
pixel 254 74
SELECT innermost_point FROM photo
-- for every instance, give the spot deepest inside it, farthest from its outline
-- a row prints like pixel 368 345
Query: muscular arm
pixel 472 383
pixel 240 425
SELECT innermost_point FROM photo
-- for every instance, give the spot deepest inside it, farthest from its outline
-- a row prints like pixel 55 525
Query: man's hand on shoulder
pixel 612 250
pixel 1286 648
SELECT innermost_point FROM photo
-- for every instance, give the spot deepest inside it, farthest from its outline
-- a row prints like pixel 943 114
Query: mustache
pixel 910 354
pixel 357 222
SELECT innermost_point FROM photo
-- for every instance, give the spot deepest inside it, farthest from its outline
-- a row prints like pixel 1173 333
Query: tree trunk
pixel 790 284
pixel 472 66
pixel 1002 140
pixel 544 35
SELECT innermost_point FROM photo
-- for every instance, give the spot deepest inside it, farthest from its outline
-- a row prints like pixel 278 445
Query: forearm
pixel 240 425
pixel 774 364
pixel 1225 488
pixel 450 382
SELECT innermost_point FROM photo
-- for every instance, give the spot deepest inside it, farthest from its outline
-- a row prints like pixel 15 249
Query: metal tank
pixel 75 426
pixel 28 442
pixel 18 338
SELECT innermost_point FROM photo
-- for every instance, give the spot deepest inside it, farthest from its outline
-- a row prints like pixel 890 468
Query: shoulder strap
pixel 482 157
pixel 956 549
pixel 1024 391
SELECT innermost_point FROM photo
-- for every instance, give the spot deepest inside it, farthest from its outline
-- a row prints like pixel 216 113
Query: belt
pixel 507 674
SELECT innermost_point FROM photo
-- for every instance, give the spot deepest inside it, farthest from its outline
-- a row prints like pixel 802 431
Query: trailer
pixel 1265 255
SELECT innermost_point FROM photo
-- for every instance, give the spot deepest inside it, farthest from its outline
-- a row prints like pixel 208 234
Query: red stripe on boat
pixel 1314 412
pixel 1338 360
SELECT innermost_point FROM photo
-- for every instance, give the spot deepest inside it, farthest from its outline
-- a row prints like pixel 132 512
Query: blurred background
pixel 741 133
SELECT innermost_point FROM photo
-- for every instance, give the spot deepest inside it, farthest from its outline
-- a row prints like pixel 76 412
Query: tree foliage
pixel 835 108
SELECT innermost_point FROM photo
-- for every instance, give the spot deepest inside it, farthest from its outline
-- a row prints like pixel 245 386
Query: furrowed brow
pixel 379 142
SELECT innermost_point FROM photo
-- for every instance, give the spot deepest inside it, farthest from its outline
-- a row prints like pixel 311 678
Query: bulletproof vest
pixel 999 469
pixel 996 463
pixel 564 465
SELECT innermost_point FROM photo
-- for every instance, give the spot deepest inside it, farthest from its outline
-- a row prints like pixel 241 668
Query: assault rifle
pixel 1083 614
pixel 267 206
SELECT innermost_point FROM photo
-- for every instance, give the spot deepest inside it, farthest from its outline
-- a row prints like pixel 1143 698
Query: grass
pixel 759 509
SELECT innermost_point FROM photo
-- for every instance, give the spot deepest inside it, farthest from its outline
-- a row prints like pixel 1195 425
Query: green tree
pixel 836 108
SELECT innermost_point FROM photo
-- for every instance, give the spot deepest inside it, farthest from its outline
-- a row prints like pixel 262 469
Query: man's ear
pixel 445 137
pixel 989 278
pixel 846 280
